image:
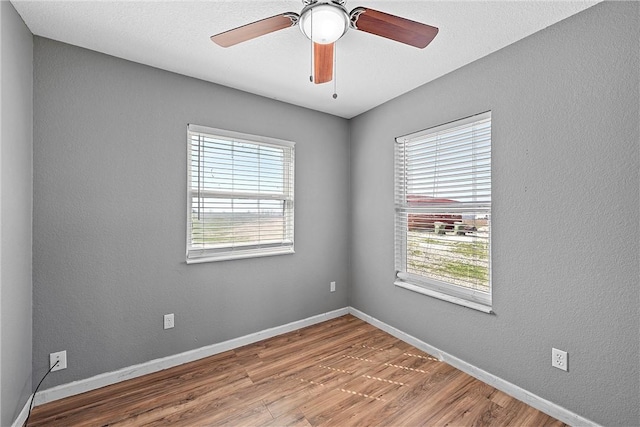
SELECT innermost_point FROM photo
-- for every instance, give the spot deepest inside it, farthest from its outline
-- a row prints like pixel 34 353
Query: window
pixel 239 196
pixel 443 211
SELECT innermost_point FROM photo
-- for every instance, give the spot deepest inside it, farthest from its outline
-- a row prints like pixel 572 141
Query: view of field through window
pixel 460 257
pixel 241 221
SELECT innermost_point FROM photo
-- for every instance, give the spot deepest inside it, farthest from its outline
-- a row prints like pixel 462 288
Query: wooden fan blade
pixel 255 29
pixel 393 27
pixel 322 63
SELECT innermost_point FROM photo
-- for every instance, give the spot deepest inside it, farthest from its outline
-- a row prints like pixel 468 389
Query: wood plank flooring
pixel 343 372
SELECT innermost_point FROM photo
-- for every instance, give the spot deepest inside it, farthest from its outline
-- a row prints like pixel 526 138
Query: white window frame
pixel 443 290
pixel 222 252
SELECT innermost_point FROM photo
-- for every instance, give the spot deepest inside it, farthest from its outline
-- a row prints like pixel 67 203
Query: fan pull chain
pixel 311 39
pixel 335 71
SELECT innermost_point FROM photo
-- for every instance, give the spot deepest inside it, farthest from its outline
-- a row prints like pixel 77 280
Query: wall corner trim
pixel 513 390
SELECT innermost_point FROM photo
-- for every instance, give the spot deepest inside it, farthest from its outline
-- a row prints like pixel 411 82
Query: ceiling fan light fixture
pixel 329 22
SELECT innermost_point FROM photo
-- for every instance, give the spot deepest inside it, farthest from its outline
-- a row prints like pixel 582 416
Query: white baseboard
pixel 22 416
pixel 513 390
pixel 95 382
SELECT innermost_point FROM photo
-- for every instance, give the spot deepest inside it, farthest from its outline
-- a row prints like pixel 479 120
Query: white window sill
pixel 445 297
pixel 239 255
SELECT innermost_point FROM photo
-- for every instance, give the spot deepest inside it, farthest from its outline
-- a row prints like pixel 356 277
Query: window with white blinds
pixel 239 195
pixel 443 211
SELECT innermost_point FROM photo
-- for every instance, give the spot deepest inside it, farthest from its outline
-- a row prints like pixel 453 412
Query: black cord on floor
pixel 26 423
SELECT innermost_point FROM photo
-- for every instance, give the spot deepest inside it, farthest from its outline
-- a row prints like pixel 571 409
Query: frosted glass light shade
pixel 329 23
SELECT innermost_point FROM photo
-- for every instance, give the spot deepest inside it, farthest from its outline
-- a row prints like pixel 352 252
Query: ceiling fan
pixel 326 21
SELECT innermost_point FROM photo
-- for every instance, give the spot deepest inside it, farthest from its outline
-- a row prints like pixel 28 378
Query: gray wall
pixel 565 105
pixel 16 143
pixel 110 215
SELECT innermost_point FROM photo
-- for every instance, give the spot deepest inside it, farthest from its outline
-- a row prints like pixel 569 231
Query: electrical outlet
pixel 169 321
pixel 332 287
pixel 559 359
pixel 61 358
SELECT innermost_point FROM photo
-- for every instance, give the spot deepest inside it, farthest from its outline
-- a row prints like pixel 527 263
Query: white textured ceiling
pixel 174 35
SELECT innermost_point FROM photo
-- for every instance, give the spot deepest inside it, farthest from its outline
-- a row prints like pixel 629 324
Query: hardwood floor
pixel 343 372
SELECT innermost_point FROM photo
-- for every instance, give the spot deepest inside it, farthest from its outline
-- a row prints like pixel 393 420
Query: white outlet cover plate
pixel 559 359
pixel 169 321
pixel 61 358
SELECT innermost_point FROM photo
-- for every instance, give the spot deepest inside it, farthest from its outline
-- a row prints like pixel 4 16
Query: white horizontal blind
pixel 443 208
pixel 240 195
